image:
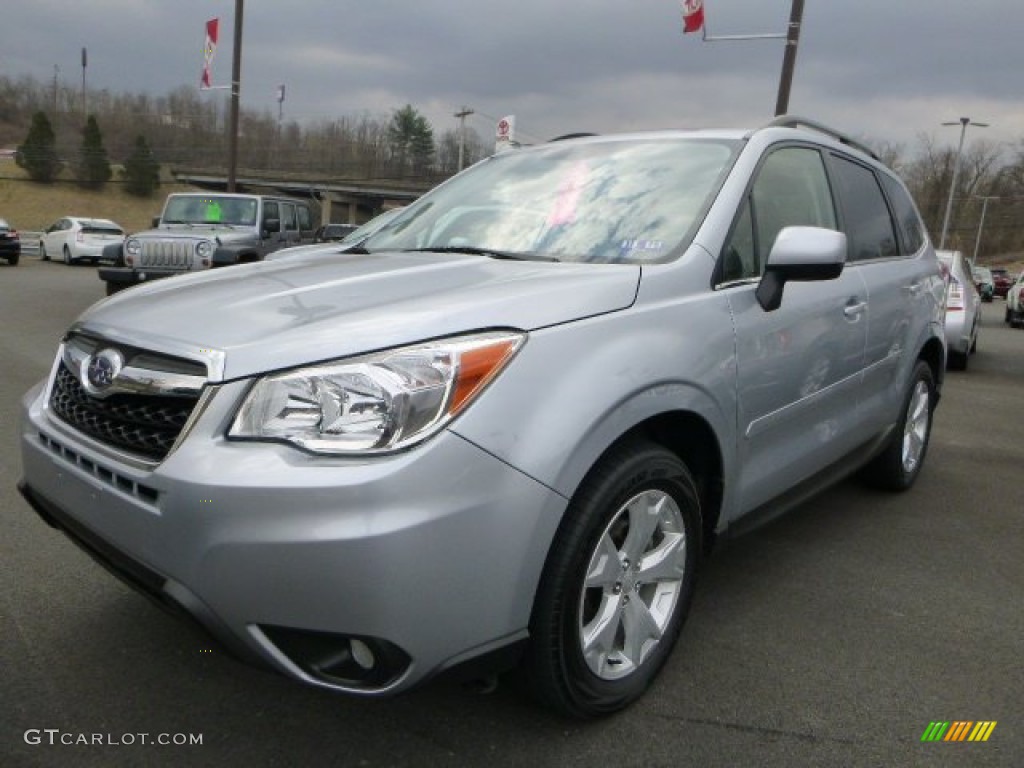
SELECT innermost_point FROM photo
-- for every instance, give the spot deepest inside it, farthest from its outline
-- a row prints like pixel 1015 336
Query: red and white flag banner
pixel 693 15
pixel 208 50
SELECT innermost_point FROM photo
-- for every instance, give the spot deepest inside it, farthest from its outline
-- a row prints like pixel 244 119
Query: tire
pixel 572 665
pixel 957 361
pixel 898 465
pixel 67 256
pixel 13 260
pixel 43 255
pixel 113 288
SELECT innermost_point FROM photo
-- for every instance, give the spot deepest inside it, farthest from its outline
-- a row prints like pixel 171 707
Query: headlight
pixel 132 247
pixel 376 403
pixel 203 249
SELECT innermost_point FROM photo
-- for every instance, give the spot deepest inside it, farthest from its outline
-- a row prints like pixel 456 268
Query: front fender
pixel 574 389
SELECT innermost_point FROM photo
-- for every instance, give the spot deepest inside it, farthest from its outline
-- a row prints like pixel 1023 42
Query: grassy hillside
pixel 29 206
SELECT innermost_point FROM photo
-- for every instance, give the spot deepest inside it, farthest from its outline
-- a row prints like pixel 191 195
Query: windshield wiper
pixel 474 250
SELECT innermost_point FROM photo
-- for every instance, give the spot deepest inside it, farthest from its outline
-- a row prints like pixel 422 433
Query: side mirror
pixel 155 221
pixel 800 253
pixel 271 225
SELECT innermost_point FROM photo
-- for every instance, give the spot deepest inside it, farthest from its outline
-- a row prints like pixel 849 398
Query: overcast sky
pixel 884 70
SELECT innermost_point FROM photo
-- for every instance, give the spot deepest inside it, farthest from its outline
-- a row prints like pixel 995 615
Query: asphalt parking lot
pixel 831 637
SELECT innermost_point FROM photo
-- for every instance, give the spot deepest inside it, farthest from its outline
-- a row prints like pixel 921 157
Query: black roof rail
pixel 794 121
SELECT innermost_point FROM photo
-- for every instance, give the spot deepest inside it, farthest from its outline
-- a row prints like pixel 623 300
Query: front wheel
pixel 43 255
pixel 67 256
pixel 617 583
pixel 897 467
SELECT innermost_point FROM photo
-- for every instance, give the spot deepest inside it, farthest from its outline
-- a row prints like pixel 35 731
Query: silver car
pixel 963 310
pixel 507 430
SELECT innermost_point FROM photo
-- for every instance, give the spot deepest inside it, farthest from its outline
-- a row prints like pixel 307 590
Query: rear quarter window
pixel 908 221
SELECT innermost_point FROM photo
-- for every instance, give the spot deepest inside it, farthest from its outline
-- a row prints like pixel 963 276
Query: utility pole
pixel 280 109
pixel 56 75
pixel 462 115
pixel 85 106
pixel 796 15
pixel 236 88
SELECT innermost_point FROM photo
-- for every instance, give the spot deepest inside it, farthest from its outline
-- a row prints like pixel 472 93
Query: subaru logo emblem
pixel 100 370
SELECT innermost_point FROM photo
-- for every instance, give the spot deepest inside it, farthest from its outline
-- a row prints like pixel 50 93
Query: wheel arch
pixel 692 439
pixel 934 354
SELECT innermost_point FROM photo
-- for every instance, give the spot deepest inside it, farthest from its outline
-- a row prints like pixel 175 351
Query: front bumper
pixel 432 555
pixel 127 276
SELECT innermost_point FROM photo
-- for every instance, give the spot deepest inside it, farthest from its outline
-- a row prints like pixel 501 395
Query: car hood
pixel 195 232
pixel 273 315
pixel 314 249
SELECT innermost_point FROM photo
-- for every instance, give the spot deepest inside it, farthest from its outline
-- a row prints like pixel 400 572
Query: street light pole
pixel 963 122
pixel 981 224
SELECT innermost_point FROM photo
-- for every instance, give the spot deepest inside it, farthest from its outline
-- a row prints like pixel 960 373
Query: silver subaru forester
pixel 506 429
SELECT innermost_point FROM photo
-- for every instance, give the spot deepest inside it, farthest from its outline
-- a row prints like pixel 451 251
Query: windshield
pixel 364 231
pixel 621 201
pixel 210 209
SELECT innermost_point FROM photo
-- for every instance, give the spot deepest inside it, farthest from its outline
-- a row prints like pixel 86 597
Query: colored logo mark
pixel 959 730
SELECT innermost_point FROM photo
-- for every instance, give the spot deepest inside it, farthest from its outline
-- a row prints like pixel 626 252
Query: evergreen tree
pixel 38 155
pixel 93 165
pixel 411 139
pixel 141 170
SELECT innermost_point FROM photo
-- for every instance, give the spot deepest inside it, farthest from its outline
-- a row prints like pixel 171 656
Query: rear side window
pixel 907 219
pixel 288 217
pixel 305 219
pixel 869 228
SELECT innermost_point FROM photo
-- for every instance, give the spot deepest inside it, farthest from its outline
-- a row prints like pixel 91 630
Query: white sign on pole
pixel 505 134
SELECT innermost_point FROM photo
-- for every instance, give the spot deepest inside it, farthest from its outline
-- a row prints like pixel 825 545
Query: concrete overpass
pixel 345 201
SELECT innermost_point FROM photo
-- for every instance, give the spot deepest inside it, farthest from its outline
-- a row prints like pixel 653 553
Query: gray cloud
pixel 886 70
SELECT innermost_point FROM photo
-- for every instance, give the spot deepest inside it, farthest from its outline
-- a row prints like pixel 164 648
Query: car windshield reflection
pixel 623 201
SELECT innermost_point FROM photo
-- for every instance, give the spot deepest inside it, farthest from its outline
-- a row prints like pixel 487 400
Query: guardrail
pixel 29 241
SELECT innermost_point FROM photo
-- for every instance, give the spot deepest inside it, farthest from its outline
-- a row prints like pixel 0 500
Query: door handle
pixel 913 289
pixel 853 309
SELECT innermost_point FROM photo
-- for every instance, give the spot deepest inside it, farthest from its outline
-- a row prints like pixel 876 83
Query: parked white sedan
pixel 1015 302
pixel 963 310
pixel 74 238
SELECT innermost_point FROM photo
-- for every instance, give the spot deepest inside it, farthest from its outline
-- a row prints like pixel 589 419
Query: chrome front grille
pixel 145 409
pixel 167 254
